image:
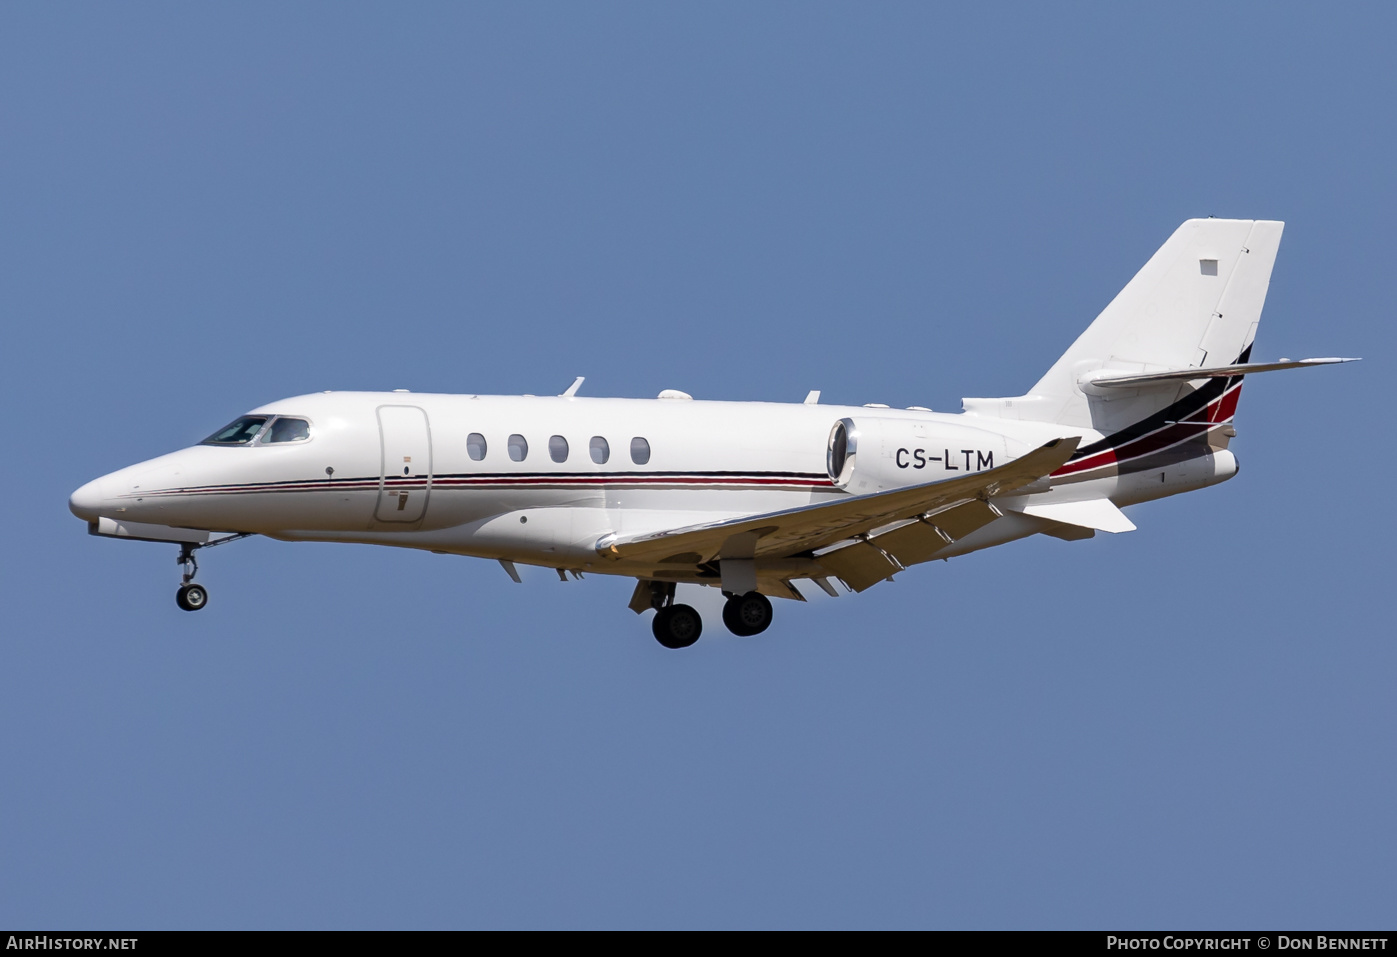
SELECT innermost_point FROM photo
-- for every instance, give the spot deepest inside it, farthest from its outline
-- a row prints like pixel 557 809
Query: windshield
pixel 238 432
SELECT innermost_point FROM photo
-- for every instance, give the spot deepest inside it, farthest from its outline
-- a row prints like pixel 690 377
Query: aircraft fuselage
pixel 396 468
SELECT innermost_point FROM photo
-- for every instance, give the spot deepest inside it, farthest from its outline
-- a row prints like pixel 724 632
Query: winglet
pixel 571 390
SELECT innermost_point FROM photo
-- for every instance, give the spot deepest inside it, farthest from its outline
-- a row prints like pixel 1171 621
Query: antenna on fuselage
pixel 572 389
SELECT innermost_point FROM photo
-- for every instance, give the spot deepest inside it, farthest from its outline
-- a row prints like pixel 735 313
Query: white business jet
pixel 749 497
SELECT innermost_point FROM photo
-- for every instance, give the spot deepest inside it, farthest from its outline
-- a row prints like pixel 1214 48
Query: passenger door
pixel 406 475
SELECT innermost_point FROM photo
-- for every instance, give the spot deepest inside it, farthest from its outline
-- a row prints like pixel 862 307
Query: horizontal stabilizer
pixel 1109 380
pixel 1097 513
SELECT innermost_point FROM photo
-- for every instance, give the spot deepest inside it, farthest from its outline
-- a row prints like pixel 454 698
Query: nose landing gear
pixel 192 597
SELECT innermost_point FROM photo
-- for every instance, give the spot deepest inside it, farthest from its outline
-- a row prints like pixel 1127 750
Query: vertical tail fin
pixel 1196 302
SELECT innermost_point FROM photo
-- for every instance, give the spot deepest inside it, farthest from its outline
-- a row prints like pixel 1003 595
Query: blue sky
pixel 207 208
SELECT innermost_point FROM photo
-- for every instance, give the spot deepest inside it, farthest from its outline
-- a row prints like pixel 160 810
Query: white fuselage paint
pixel 393 469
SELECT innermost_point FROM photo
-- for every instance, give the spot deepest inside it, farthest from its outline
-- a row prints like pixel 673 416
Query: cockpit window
pixel 238 432
pixel 287 430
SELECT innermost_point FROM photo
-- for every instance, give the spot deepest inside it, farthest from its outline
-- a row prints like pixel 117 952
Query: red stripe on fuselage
pixel 497 481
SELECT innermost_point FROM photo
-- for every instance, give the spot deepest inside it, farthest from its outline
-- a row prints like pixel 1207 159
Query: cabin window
pixel 599 449
pixel 287 430
pixel 475 446
pixel 640 451
pixel 518 448
pixel 558 448
pixel 238 432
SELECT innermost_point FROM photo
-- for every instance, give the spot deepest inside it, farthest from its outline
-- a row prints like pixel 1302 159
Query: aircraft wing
pixel 810 527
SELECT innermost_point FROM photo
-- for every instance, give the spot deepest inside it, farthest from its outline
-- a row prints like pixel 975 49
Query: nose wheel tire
pixel 677 626
pixel 191 597
pixel 748 614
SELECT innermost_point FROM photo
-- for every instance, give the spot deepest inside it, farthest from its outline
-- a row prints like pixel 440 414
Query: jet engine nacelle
pixel 873 454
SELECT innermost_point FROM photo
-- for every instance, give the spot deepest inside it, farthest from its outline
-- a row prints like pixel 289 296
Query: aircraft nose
pixel 86 502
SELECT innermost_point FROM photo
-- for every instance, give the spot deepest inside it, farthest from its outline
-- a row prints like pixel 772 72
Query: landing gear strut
pixel 748 614
pixel 674 626
pixel 192 597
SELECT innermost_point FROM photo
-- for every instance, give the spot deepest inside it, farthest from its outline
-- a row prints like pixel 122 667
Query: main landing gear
pixel 679 626
pixel 748 614
pixel 192 597
pixel 674 626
